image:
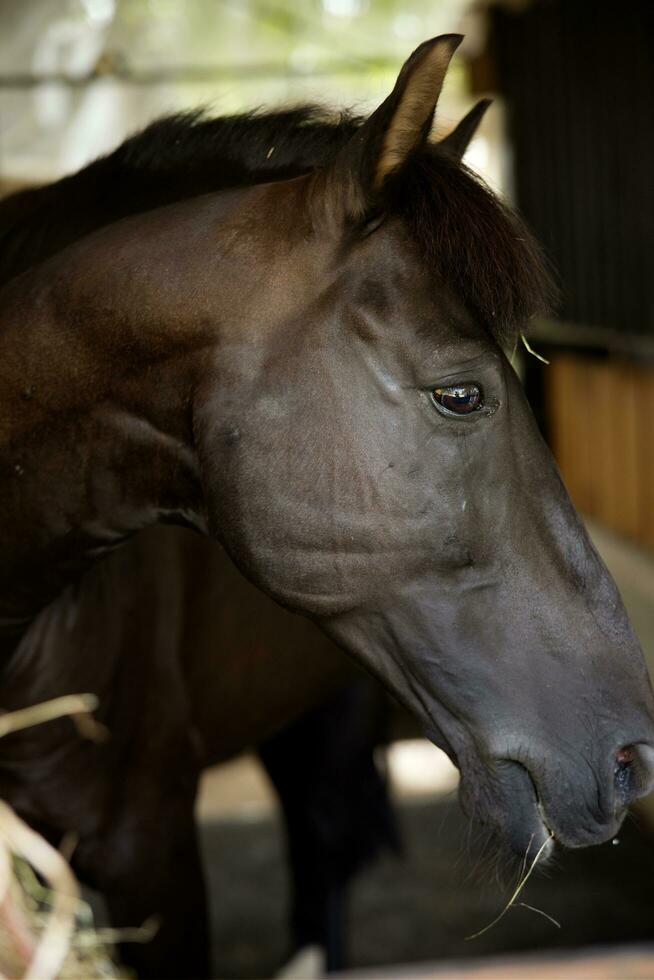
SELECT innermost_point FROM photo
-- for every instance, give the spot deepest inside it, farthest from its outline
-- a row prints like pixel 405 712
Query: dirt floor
pixel 422 906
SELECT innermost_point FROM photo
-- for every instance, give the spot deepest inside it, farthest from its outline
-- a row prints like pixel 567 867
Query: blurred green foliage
pixel 332 51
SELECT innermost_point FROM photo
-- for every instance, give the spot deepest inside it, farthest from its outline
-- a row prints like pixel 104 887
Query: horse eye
pixel 461 399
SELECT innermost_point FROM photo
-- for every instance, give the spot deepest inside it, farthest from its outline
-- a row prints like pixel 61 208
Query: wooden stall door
pixel 600 415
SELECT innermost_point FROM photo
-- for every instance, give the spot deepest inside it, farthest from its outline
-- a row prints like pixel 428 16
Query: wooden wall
pixel 577 78
pixel 600 424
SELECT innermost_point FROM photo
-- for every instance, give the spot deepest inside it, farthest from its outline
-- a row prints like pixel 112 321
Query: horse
pixel 334 799
pixel 310 369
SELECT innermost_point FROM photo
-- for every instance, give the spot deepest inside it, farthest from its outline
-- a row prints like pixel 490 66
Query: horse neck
pixel 103 351
pixel 96 442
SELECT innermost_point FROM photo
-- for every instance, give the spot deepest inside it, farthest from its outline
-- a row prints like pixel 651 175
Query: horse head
pixel 376 466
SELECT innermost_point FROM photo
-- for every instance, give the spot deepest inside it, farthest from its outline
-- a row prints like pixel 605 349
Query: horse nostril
pixel 634 771
pixel 625 756
pixel 623 773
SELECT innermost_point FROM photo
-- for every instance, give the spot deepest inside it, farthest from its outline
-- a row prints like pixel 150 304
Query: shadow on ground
pixel 422 906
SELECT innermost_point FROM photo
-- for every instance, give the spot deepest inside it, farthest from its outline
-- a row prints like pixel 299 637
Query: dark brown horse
pixel 308 369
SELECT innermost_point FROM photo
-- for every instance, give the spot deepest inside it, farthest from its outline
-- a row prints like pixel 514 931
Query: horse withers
pixel 310 370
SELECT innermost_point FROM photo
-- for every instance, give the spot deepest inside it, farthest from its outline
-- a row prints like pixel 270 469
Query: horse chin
pixel 516 822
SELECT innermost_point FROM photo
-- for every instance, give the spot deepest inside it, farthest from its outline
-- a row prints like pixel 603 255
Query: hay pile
pixel 46 930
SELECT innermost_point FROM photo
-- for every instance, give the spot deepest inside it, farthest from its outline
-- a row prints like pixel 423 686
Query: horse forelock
pixel 475 244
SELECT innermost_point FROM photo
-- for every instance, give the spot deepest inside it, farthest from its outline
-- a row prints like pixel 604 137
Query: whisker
pixel 545 915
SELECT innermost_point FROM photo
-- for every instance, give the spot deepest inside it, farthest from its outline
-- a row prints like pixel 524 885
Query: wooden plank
pixel 601 405
pixel 593 963
pixel 644 438
pixel 614 392
pixel 569 424
pixel 626 450
pixel 601 417
pixel 559 386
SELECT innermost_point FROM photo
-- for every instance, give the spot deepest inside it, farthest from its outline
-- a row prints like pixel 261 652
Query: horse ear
pixel 456 143
pixel 355 181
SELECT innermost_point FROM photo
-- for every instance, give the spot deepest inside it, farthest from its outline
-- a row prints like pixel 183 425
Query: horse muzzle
pixel 573 812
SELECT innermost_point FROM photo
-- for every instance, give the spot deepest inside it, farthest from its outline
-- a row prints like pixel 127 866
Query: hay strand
pixel 546 915
pixel 54 942
pixel 530 349
pixel 521 884
pixel 40 924
pixel 69 704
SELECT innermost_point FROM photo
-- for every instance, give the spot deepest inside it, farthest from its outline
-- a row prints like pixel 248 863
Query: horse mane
pixel 173 159
pixel 472 241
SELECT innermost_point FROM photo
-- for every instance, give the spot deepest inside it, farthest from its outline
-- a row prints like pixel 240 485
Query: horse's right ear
pixel 354 184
